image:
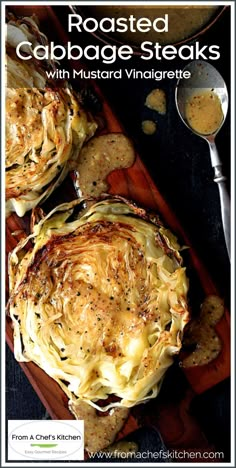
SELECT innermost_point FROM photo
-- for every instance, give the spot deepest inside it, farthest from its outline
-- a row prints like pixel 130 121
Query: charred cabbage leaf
pixel 45 125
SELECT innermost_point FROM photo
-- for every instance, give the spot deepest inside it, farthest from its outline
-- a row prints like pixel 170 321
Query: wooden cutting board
pixel 136 184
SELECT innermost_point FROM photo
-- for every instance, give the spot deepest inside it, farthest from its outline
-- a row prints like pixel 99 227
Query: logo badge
pixel 45 440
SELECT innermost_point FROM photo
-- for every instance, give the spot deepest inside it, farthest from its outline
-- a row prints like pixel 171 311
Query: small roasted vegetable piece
pixel 100 429
pixel 46 126
pixel 99 301
pixel 201 335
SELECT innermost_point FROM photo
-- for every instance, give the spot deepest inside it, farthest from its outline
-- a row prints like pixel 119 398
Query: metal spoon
pixel 204 77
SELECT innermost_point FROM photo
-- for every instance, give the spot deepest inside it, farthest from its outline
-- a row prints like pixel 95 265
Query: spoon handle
pixel 220 179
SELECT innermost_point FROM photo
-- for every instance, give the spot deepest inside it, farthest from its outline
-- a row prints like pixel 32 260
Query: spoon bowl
pixel 204 78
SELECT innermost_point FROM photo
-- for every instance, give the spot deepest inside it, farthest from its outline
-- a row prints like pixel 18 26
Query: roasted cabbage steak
pixel 98 299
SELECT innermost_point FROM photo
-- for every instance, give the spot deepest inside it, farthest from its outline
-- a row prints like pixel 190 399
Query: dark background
pixel 179 164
